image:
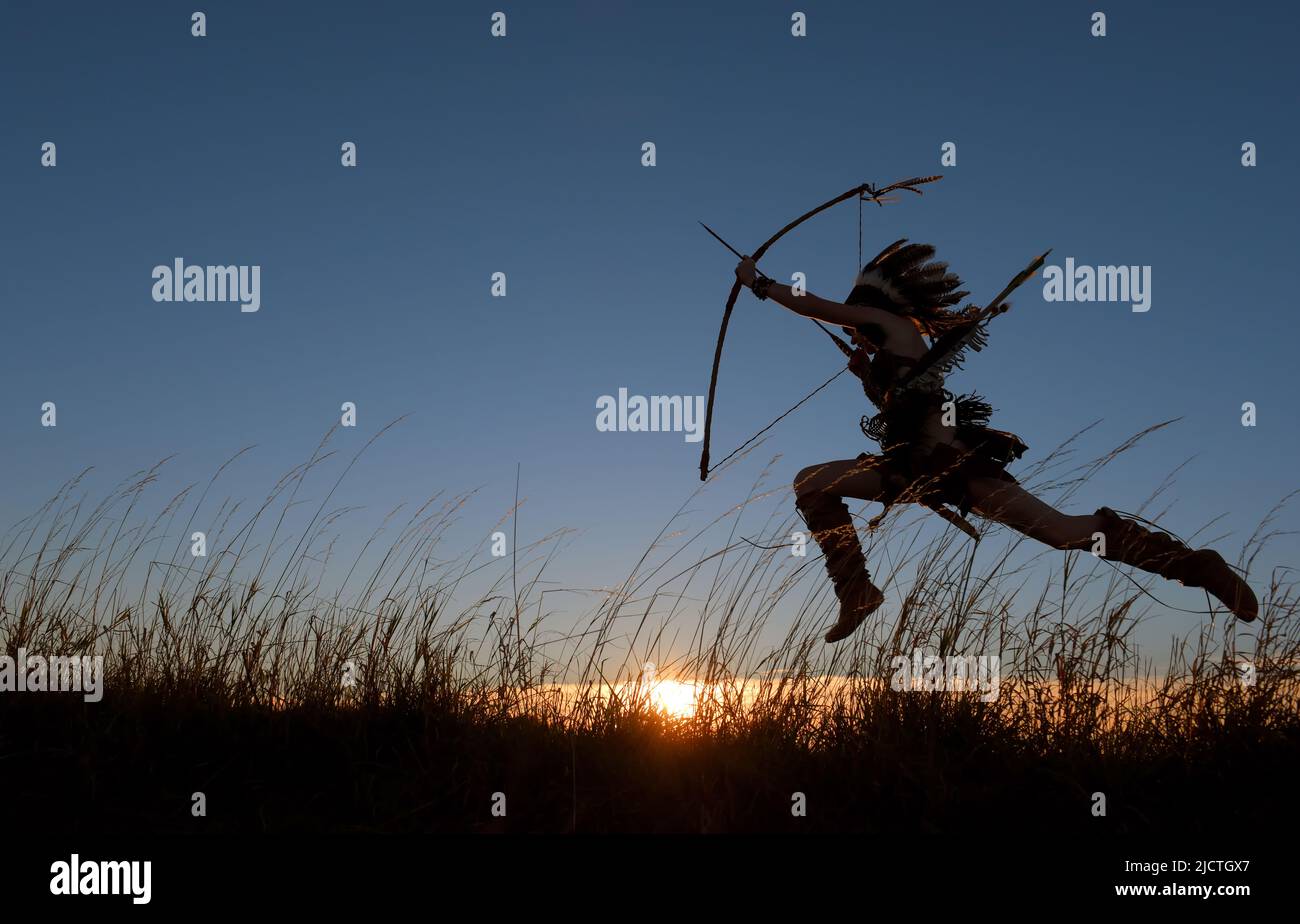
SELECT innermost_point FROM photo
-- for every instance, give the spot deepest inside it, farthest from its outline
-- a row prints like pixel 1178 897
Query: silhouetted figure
pixel 938 455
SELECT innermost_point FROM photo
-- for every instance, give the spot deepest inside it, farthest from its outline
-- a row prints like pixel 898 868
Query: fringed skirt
pixel 941 474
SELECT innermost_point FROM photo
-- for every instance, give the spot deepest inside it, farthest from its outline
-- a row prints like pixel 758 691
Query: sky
pixel 523 155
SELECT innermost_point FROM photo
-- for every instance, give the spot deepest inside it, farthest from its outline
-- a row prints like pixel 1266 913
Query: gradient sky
pixel 522 155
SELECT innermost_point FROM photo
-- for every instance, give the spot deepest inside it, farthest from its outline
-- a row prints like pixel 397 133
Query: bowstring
pixel 715 467
pixel 857 269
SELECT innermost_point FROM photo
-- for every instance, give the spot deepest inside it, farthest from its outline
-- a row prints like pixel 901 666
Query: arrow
pixel 721 241
pixel 844 347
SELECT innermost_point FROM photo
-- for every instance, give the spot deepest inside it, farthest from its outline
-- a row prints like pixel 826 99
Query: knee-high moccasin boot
pixel 1162 554
pixel 828 519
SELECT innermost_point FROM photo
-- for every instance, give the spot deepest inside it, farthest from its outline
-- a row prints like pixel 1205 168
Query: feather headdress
pixel 905 279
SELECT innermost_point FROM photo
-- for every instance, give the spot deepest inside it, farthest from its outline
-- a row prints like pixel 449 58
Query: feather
pixel 879 258
pixel 875 279
pixel 909 185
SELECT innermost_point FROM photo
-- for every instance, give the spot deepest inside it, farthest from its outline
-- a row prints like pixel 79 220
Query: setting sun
pixel 674 697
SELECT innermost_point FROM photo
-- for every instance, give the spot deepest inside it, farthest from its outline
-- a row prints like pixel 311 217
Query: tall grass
pixel 460 655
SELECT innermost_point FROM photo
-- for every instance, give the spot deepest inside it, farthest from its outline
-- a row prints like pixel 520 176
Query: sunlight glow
pixel 674 697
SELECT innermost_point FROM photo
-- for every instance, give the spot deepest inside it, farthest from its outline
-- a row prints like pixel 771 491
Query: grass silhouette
pixel 223 675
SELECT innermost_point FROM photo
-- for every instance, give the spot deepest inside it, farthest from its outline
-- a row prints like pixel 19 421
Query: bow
pixel 864 191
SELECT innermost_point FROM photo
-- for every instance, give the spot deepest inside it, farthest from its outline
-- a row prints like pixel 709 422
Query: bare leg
pixel 1125 541
pixel 858 478
pixel 1008 503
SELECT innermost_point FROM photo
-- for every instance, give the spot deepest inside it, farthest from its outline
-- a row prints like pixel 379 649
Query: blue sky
pixel 522 155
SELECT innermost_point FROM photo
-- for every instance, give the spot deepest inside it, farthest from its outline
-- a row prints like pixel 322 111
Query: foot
pixel 1212 573
pixel 858 603
pixel 1168 557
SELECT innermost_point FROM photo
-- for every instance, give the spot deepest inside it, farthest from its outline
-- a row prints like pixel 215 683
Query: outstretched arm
pixel 812 306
